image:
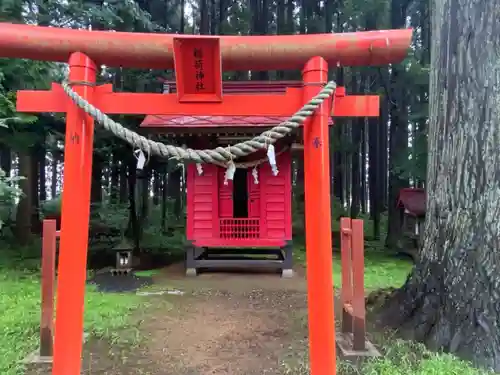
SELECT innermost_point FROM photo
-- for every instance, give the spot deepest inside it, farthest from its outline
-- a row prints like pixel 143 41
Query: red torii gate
pixel 199 61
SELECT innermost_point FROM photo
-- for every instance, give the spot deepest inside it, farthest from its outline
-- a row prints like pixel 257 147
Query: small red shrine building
pixel 244 222
pixel 411 204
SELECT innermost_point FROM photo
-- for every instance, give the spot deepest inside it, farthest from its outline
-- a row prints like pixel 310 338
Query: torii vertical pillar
pixel 318 225
pixel 72 275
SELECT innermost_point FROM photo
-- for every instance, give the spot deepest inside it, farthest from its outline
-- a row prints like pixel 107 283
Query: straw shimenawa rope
pixel 219 155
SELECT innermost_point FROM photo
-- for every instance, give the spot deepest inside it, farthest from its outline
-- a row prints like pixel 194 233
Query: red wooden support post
pixel 346 290
pixel 352 340
pixel 75 222
pixel 318 225
pixel 48 280
pixel 358 282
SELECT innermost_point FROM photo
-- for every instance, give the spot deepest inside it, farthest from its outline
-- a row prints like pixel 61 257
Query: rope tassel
pixel 272 160
pixel 255 174
pixel 229 175
pixel 199 168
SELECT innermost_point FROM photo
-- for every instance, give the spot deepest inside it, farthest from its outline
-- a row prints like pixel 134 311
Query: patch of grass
pixel 399 357
pixel 146 273
pixel 402 357
pixel 382 270
pixel 106 315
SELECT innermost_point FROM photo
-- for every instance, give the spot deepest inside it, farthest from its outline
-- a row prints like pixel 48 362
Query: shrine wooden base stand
pixel 345 344
pixel 198 258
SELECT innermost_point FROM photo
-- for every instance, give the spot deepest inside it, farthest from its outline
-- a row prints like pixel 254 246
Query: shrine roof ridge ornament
pixel 154 50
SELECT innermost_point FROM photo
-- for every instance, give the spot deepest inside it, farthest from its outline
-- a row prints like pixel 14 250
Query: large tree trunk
pixel 451 298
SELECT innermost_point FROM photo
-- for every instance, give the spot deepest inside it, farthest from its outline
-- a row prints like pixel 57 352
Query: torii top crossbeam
pixel 156 51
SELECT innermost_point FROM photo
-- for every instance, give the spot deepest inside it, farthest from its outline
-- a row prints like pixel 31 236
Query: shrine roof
pixel 209 121
pixel 413 200
pixel 179 122
pixel 176 122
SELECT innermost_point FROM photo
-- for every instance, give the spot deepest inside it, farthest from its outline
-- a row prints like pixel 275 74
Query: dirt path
pixel 224 324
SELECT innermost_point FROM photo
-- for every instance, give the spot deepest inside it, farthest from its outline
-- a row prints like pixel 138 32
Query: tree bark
pixel 339 157
pixel 374 176
pixel 375 171
pixel 142 200
pixel 213 18
pixel 97 169
pixel 156 187
pixel 123 192
pixel 133 228
pixel 356 129
pixel 384 149
pixel 34 190
pixel 398 131
pixel 42 172
pixel 347 163
pixel 182 26
pixel 362 152
pixel 115 178
pixel 222 16
pixel 280 29
pixel 451 299
pixel 204 18
pixel 164 201
pixel 6 159
pixel 290 22
pixel 24 214
pixel 53 179
pixel 303 17
pixel 174 190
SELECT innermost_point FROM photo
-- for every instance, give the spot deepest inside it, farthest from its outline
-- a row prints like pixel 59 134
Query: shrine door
pixel 240 198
